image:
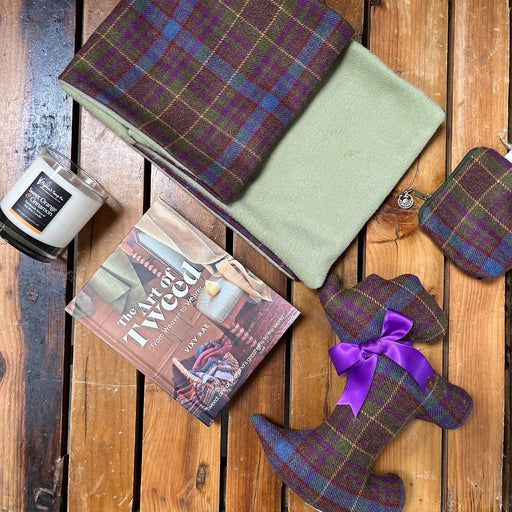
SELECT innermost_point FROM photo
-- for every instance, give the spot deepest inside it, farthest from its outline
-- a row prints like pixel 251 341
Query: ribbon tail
pixel 358 385
pixel 422 372
pixel 412 361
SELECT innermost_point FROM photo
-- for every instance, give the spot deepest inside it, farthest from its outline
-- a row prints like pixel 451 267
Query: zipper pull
pixel 507 144
pixel 406 199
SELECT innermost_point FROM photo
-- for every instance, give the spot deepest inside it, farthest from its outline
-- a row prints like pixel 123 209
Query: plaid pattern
pixel 330 466
pixel 357 314
pixel 470 216
pixel 214 82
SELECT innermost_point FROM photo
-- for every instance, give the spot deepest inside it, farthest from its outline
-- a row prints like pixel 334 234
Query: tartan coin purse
pixel 470 216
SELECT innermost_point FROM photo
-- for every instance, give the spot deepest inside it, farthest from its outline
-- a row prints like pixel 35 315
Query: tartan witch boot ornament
pixel 389 384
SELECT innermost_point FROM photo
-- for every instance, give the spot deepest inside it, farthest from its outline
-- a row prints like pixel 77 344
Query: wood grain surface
pixel 104 386
pixel 81 430
pixel 37 40
pixel 477 308
pixel 412 39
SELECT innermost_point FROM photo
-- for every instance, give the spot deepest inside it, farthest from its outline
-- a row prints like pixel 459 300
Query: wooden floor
pixel 81 431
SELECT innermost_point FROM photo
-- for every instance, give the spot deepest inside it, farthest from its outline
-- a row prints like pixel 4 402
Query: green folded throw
pixel 330 172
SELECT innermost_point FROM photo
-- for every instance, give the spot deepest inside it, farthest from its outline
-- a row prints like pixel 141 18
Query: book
pixel 183 311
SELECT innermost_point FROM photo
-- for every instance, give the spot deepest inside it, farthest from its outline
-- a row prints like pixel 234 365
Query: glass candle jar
pixel 49 205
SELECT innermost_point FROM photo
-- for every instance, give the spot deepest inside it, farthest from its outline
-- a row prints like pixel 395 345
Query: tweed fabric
pixel 213 82
pixel 330 466
pixel 395 115
pixel 470 216
pixel 357 314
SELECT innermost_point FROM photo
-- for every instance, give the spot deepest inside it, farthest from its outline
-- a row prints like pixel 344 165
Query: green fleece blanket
pixel 332 169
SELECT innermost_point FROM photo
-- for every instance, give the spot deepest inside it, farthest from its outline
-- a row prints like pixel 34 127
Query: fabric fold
pixel 213 82
pixel 329 172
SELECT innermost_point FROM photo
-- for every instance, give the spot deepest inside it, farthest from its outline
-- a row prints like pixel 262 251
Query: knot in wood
pixel 201 476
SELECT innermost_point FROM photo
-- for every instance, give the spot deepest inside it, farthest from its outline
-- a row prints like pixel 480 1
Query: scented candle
pixel 49 205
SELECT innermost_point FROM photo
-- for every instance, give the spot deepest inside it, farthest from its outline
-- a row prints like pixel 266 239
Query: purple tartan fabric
pixel 214 82
pixel 470 216
pixel 357 313
pixel 330 466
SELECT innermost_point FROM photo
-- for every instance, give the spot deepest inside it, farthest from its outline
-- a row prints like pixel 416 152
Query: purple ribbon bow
pixel 360 360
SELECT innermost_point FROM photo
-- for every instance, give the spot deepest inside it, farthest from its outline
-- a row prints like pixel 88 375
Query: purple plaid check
pixel 213 82
pixel 330 466
pixel 470 216
pixel 357 313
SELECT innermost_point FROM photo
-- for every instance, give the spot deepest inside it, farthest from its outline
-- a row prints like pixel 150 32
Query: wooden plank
pixel 104 385
pixel 37 44
pixel 353 12
pixel 251 484
pixel 195 448
pixel 476 345
pixel 13 349
pixel 412 39
pixel 315 386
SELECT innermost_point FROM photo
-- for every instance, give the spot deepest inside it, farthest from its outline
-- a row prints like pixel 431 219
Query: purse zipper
pixel 406 200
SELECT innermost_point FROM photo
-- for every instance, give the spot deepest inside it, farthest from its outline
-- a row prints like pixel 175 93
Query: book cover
pixel 183 311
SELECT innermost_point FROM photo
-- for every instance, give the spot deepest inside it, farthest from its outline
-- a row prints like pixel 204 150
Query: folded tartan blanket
pixel 212 82
pixel 328 174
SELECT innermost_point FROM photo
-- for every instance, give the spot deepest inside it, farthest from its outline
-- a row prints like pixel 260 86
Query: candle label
pixel 39 204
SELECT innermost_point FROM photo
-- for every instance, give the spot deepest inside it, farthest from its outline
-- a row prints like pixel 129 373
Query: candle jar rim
pixel 75 172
